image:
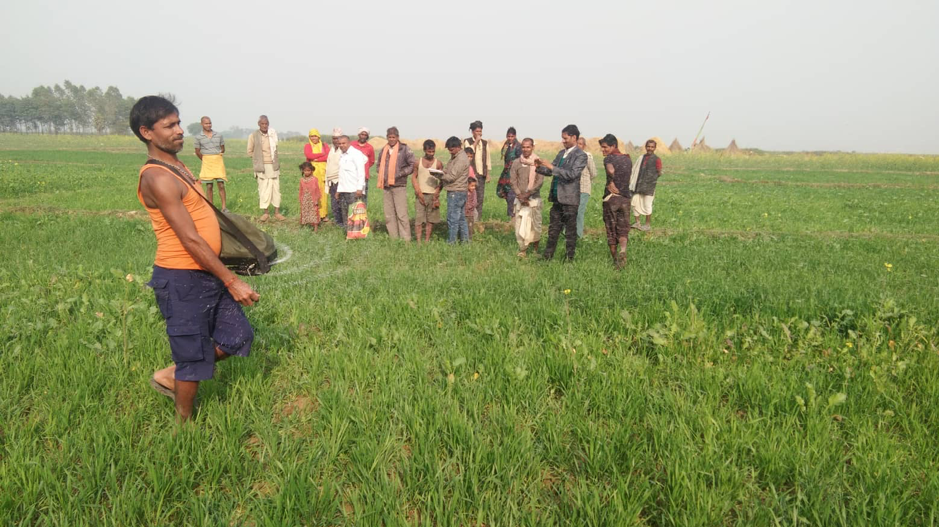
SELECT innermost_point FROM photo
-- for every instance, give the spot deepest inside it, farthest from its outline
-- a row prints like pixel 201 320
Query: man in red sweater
pixel 362 146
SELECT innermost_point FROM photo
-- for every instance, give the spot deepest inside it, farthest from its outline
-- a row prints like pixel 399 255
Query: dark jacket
pixel 406 163
pixel 567 176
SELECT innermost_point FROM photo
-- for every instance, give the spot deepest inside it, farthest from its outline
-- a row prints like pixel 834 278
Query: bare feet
pixel 264 217
pixel 279 217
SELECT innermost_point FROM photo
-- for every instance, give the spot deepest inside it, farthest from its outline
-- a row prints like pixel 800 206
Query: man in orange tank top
pixel 197 295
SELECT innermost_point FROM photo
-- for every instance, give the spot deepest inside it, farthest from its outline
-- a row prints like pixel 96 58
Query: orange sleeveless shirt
pixel 170 253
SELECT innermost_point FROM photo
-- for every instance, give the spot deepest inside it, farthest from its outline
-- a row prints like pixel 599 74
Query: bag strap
pixel 263 264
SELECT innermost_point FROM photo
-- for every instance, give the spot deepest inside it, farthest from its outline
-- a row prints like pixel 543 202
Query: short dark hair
pixel 453 142
pixel 306 164
pixel 392 131
pixel 651 141
pixel 511 130
pixel 475 124
pixel 571 129
pixel 469 151
pixel 430 144
pixel 147 111
pixel 609 140
pixel 530 140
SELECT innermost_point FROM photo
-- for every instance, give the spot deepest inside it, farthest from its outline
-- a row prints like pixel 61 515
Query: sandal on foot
pixel 162 390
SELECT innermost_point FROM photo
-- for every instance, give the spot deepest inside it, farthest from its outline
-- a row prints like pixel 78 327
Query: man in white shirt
pixel 351 178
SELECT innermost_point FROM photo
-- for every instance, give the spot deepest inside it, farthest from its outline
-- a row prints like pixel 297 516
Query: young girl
pixel 310 194
pixel 471 202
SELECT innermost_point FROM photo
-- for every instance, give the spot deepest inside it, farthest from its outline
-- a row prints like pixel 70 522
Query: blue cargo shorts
pixel 200 314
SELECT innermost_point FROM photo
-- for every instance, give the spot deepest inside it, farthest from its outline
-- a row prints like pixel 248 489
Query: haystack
pixel 630 147
pixel 675 147
pixel 701 147
pixel 377 143
pixel 732 149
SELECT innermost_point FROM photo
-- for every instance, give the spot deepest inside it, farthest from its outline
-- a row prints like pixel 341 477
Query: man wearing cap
pixel 332 175
pixel 362 146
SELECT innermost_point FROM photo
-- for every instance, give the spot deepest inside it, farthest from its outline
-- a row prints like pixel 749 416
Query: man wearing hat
pixel 362 146
pixel 332 176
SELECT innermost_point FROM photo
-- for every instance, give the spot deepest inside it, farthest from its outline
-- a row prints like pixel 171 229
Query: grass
pixel 758 363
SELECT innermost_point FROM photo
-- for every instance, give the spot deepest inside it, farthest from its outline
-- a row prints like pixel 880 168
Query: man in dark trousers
pixel 566 170
pixel 197 295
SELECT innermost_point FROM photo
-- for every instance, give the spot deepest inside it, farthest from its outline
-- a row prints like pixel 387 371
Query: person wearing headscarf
pixel 317 153
pixel 362 145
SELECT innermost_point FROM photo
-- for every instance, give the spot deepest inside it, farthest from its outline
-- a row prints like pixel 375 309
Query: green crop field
pixel 768 357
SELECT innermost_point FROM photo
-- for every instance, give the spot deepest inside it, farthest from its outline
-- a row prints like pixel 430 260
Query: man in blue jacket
pixel 567 168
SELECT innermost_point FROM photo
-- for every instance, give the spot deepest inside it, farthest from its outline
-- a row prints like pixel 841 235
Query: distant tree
pixel 194 128
pixel 67 108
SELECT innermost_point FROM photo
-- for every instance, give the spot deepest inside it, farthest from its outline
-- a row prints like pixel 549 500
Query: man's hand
pixel 242 293
pixel 488 178
pixel 436 202
pixel 337 195
pixel 612 188
pixel 358 193
pixel 420 198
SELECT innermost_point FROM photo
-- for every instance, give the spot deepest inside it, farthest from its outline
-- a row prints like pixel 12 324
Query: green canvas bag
pixel 246 249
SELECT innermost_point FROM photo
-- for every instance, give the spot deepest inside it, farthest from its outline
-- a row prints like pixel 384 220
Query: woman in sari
pixel 511 150
pixel 316 153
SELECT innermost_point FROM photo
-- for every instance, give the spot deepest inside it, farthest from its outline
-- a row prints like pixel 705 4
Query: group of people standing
pixel 334 177
pixel 201 299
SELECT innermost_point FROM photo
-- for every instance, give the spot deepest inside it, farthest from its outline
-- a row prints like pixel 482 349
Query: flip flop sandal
pixel 162 390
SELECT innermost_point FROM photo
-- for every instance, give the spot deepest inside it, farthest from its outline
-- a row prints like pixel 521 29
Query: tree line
pixel 68 109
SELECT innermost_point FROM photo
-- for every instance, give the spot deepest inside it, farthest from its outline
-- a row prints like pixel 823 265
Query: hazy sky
pixel 781 75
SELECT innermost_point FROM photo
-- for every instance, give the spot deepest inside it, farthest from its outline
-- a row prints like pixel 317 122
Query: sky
pixel 778 75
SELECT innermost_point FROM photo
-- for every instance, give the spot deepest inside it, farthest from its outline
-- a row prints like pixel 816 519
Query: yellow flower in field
pixel 848 344
pixel 888 266
pixel 765 215
pixel 475 375
pixel 567 291
pixel 891 344
pixel 450 378
pixel 129 278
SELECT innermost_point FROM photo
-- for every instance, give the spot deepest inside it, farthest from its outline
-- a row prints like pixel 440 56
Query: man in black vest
pixel 481 163
pixel 650 168
pixel 565 191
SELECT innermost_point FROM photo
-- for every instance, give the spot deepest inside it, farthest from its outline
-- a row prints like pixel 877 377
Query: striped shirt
pixel 209 146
